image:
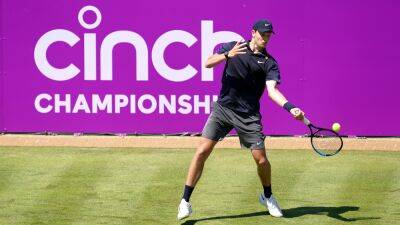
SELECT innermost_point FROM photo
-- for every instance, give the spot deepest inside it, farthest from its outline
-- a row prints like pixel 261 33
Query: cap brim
pixel 266 31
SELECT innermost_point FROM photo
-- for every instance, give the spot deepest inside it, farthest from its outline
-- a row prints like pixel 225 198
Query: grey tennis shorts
pixel 248 126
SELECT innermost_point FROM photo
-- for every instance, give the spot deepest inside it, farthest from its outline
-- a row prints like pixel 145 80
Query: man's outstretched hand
pixel 238 49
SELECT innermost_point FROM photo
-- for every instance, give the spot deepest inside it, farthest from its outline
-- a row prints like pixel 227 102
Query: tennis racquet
pixel 324 141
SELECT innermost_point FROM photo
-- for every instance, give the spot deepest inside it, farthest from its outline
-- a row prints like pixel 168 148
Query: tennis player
pixel 249 69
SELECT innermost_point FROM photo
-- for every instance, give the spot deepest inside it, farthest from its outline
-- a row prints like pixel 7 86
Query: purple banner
pixel 136 67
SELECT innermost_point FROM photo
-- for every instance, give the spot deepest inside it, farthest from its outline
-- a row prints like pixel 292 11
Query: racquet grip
pixel 306 121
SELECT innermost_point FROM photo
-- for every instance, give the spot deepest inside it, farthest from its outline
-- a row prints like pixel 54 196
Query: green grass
pixel 144 186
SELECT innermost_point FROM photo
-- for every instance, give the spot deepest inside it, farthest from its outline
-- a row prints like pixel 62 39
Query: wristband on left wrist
pixel 226 54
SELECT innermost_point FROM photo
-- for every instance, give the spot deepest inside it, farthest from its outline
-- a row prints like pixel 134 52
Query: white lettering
pixel 153 104
pixel 158 55
pixel 147 104
pixel 101 105
pixel 197 104
pixel 38 107
pixel 183 101
pixel 40 55
pixel 58 103
pixel 117 37
pixel 90 56
pixel 209 39
pixel 81 104
pixel 121 101
pixel 170 105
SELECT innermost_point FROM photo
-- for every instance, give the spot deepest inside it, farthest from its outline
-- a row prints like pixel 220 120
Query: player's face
pixel 261 39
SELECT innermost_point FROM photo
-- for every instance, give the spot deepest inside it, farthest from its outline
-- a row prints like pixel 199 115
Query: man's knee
pixel 204 150
pixel 263 162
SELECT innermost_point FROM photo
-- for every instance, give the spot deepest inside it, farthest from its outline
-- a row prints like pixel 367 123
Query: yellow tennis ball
pixel 336 127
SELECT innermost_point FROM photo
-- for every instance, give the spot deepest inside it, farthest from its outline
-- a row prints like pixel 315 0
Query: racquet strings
pixel 327 142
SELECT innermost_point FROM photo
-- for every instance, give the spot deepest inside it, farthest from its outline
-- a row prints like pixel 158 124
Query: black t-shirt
pixel 244 77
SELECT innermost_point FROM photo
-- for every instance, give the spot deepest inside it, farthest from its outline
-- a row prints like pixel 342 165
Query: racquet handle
pixel 306 121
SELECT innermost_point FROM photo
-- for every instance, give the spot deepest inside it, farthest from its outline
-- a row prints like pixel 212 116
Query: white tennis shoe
pixel 184 209
pixel 271 204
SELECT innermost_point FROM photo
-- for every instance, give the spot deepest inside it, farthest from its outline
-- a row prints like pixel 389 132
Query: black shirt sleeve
pixel 273 72
pixel 226 47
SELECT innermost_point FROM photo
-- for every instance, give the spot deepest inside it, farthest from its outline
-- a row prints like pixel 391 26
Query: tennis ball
pixel 336 127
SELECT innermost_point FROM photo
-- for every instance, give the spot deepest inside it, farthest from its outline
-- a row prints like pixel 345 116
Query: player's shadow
pixel 333 212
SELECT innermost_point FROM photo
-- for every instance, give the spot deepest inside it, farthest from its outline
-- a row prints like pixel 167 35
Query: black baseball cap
pixel 263 26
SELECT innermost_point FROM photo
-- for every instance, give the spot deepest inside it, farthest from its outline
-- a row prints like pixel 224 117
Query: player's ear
pixel 253 33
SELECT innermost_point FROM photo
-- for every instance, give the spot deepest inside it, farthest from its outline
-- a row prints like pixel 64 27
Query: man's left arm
pixel 278 98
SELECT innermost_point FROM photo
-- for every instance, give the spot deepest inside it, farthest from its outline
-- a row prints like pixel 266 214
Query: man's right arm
pixel 219 57
pixel 278 98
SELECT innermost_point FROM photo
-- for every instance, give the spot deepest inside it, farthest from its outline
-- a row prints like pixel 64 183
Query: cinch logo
pixel 209 39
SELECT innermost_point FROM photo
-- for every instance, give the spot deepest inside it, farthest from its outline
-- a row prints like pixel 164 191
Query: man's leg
pixel 196 166
pixel 216 128
pixel 264 172
pixel 195 169
pixel 251 136
pixel 263 167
